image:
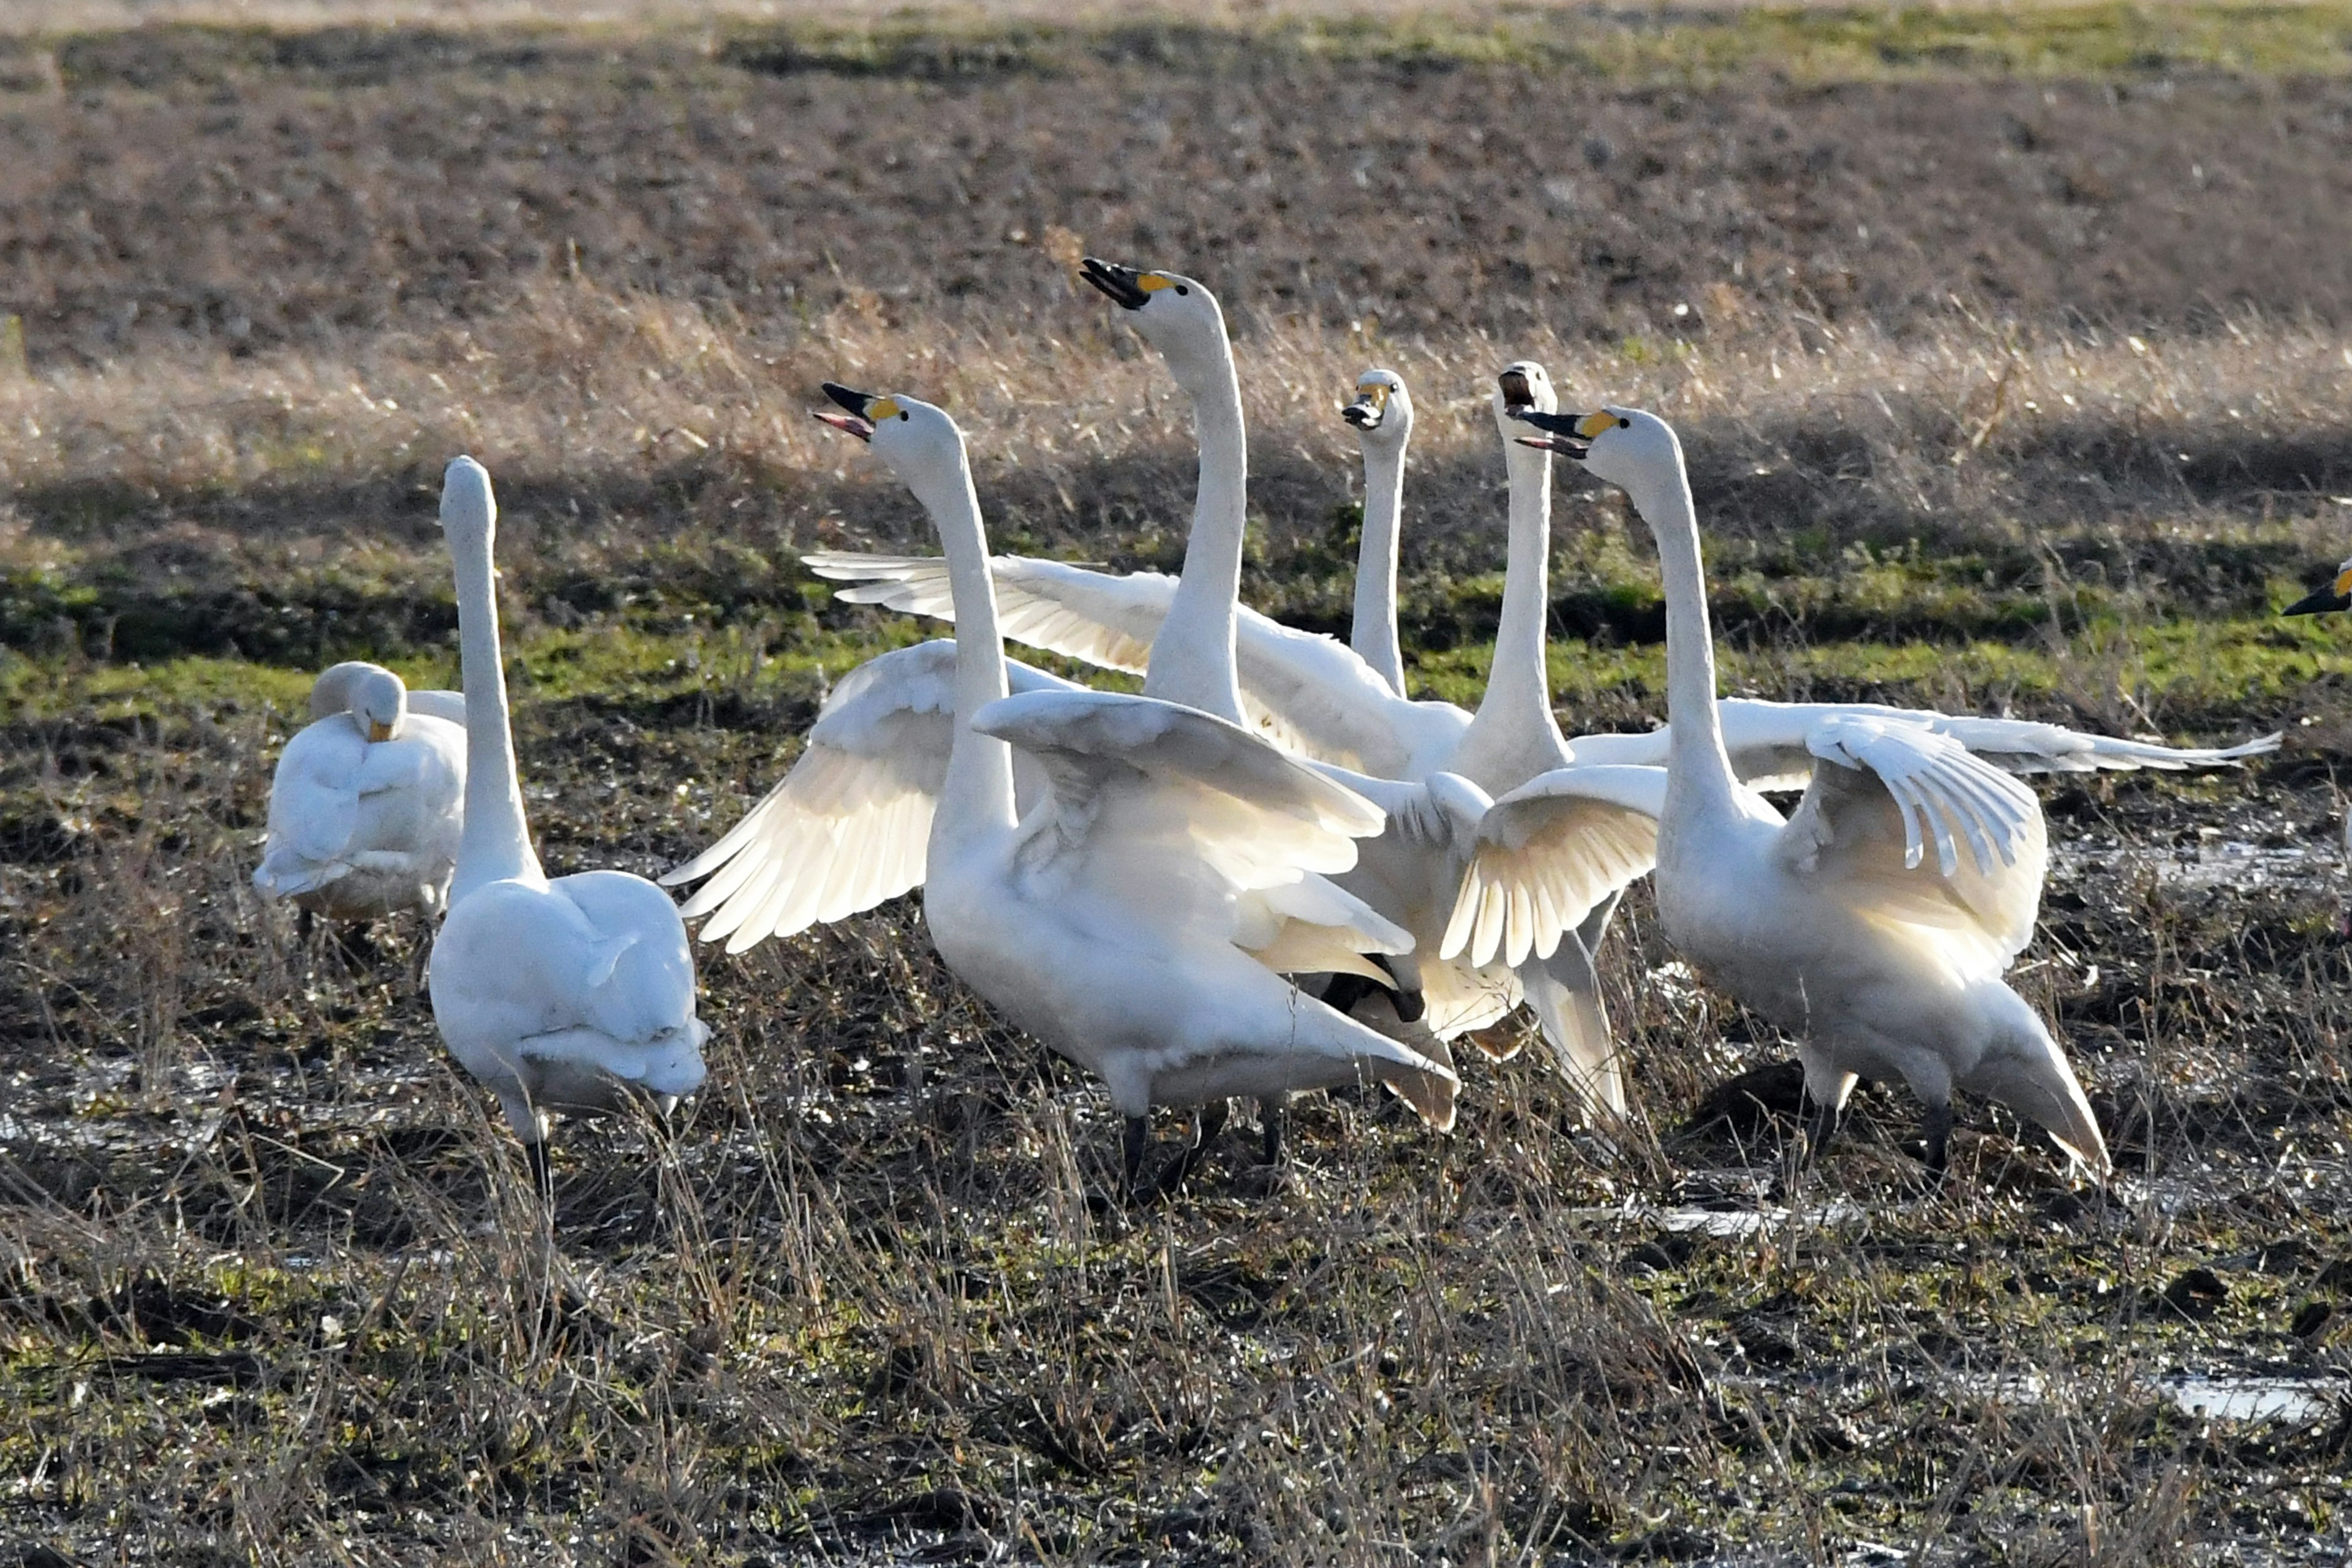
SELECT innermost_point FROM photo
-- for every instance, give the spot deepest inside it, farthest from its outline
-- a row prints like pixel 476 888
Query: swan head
pixel 1628 447
pixel 2336 596
pixel 469 510
pixel 1175 314
pixel 918 440
pixel 1382 411
pixel 376 698
pixel 1521 387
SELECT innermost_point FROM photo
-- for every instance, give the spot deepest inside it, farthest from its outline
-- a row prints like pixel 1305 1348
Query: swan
pixel 1452 761
pixel 572 994
pixel 1381 413
pixel 1344 705
pixel 368 800
pixel 1829 921
pixel 1109 920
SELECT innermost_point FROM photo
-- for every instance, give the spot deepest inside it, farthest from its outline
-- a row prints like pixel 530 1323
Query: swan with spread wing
pixel 1874 923
pixel 1122 918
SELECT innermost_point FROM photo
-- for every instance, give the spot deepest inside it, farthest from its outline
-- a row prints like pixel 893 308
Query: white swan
pixel 1829 922
pixel 566 995
pixel 1383 415
pixel 1410 874
pixel 368 800
pixel 1345 706
pixel 1109 920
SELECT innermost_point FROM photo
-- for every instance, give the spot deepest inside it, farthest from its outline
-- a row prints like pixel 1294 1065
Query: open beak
pixel 857 402
pixel 1562 433
pixel 1368 409
pixel 2336 596
pixel 379 731
pixel 1123 284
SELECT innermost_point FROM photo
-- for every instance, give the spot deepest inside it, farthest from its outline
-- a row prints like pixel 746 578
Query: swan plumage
pixel 574 994
pixel 1410 873
pixel 367 803
pixel 1381 413
pixel 847 826
pixel 1110 919
pixel 1875 921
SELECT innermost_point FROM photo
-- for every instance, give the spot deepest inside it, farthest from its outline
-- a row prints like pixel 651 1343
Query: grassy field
pixel 2012 348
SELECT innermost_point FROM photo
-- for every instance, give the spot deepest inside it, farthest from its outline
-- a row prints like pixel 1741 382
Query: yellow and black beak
pixel 863 407
pixel 379 731
pixel 1371 405
pixel 2336 596
pixel 1570 435
pixel 1127 286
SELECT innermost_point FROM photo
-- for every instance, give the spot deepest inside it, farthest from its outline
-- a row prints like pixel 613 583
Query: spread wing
pixel 1145 795
pixel 1307 692
pixel 1770 745
pixel 1549 852
pixel 1885 796
pixel 850 824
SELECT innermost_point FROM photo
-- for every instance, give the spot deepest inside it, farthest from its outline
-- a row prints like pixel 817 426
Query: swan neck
pixel 1374 634
pixel 496 844
pixel 978 791
pixel 1696 758
pixel 1518 703
pixel 1193 659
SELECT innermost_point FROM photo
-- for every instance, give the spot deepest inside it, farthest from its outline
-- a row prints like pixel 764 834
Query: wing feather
pixel 848 827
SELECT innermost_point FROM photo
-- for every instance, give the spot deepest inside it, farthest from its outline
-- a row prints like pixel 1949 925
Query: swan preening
pixel 1111 919
pixel 571 994
pixel 367 800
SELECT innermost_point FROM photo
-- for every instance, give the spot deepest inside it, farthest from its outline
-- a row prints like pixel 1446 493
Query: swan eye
pixel 1622 424
pixel 1181 290
pixel 902 414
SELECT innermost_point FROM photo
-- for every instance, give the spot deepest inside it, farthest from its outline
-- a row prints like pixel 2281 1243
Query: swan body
pixel 574 994
pixel 1323 699
pixel 1874 922
pixel 1110 920
pixel 368 800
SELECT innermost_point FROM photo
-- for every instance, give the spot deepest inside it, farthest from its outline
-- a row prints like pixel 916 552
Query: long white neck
pixel 495 845
pixel 978 793
pixel 1374 632
pixel 1193 657
pixel 1512 736
pixel 1697 763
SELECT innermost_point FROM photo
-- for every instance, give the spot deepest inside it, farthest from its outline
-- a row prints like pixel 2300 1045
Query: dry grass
pixel 272 1285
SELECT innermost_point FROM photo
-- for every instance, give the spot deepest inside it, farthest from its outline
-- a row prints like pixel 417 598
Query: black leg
pixel 1820 1125
pixel 542 1174
pixel 1937 1126
pixel 1345 991
pixel 1409 1004
pixel 1138 1133
pixel 1209 1122
pixel 1272 1112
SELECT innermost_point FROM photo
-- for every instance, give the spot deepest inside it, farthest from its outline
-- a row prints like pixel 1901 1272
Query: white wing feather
pixel 1548 854
pixel 1882 796
pixel 1308 693
pixel 850 824
pixel 1769 743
